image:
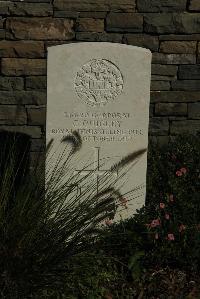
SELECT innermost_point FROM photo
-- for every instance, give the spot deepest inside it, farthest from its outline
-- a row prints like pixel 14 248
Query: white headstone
pixel 102 90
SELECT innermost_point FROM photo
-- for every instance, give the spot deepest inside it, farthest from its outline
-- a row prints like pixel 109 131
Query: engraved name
pixel 98 126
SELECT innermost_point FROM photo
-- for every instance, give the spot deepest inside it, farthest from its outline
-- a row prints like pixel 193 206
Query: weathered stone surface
pixel 33 131
pixel 21 66
pixel 158 126
pixel 186 85
pixel 160 85
pixel 36 115
pixel 194 110
pixel 4 7
pixel 37 145
pixel 198 53
pixel 35 97
pixel 160 141
pixel 180 37
pixel 93 14
pixel 1 23
pixel 40 28
pixel 175 39
pixel 36 82
pixel 50 43
pixel 175 96
pixel 22 8
pixel 194 5
pixel 2 34
pixel 29 49
pixel 123 22
pixel 30 9
pixel 11 83
pixel 142 40
pixel 172 23
pixel 164 70
pixel 191 72
pixel 185 126
pixel 12 115
pixel 99 37
pixel 66 14
pixel 162 78
pixel 187 47
pixel 161 5
pixel 151 110
pixel 33 1
pixel 22 97
pixel 90 25
pixel 171 109
pixel 97 5
pixel 177 117
pixel 161 58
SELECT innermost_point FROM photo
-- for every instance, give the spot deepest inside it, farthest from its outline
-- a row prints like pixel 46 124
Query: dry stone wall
pixel 169 28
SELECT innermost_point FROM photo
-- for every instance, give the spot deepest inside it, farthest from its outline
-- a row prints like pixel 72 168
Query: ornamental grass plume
pixel 43 226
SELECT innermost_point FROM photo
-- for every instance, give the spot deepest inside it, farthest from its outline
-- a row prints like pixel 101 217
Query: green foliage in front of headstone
pixel 155 254
pixel 162 241
pixel 47 224
pixel 53 248
pixel 168 227
pixel 40 230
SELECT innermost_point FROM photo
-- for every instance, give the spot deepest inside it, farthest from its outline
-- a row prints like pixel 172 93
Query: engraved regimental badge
pixel 98 82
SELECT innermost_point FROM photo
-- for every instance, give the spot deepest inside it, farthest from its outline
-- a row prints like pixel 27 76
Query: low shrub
pixel 173 202
pixel 166 232
pixel 155 254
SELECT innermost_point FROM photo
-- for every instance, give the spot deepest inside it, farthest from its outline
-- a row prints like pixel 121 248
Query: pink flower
pixel 162 205
pixel 171 197
pixel 183 170
pixel 155 222
pixel 179 173
pixel 167 216
pixel 182 227
pixel 108 222
pixel 156 236
pixel 170 237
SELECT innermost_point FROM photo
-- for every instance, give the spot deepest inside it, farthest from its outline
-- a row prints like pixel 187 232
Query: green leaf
pixel 133 262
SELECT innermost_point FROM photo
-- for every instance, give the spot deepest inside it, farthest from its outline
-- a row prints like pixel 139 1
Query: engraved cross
pixel 97 171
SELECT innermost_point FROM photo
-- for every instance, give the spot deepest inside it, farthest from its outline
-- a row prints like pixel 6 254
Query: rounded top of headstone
pixel 103 45
pixel 98 73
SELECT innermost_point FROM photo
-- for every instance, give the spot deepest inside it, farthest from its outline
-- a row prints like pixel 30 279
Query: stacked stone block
pixel 169 28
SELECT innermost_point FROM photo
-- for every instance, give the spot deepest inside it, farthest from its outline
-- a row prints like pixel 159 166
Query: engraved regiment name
pixel 108 127
pixel 98 82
